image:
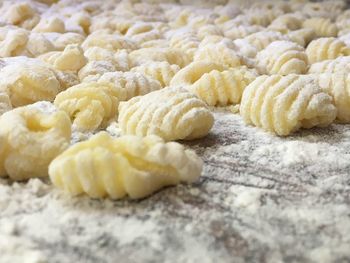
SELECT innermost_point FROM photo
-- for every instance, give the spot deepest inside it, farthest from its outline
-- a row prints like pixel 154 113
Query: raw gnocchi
pixel 282 57
pixel 71 59
pixel 223 88
pixel 27 81
pixel 326 48
pixel 283 104
pixel 340 64
pixel 32 139
pixel 161 71
pixel 338 86
pixel 219 54
pixel 90 105
pixel 126 166
pixel 171 113
pixel 129 84
pixel 194 71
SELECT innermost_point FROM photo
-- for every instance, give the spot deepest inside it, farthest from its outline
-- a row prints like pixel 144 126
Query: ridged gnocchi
pixel 71 59
pixel 282 57
pixel 113 42
pixel 126 166
pixel 283 104
pixel 31 140
pixel 171 113
pixel 218 53
pixel 161 71
pixel 223 88
pixel 338 86
pixel 340 64
pixel 27 81
pixel 323 27
pixel 194 71
pixel 90 105
pixel 170 55
pixel 129 84
pixel 326 48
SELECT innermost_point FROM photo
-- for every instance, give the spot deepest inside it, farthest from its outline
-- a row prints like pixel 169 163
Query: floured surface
pixel 261 199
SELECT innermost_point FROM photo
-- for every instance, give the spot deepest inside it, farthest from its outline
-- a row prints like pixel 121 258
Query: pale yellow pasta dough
pixel 31 140
pixel 5 103
pixel 28 81
pixel 326 48
pixel 171 113
pixel 70 59
pixel 282 57
pixel 191 73
pixel 223 88
pixel 89 105
pixel 338 86
pixel 161 71
pixel 283 104
pixel 126 166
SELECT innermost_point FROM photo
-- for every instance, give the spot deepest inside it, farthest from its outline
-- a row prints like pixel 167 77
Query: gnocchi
pixel 89 105
pixel 223 88
pixel 340 64
pixel 32 139
pixel 129 84
pixel 338 86
pixel 171 113
pixel 282 57
pixel 126 166
pixel 27 81
pixel 161 71
pixel 71 59
pixel 218 53
pixel 283 104
pixel 326 48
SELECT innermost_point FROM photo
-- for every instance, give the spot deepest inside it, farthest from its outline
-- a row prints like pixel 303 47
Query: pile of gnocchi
pixel 157 68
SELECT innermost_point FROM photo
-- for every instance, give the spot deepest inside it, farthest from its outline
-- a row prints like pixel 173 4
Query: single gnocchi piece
pixel 112 42
pixel 261 40
pixel 96 68
pixel 283 104
pixel 27 81
pixel 5 103
pixel 71 59
pixel 193 72
pixel 129 84
pixel 32 139
pixel 241 31
pixel 323 26
pixel 170 55
pixel 338 86
pixel 326 48
pixel 302 36
pixel 286 22
pixel 340 64
pixel 218 53
pixel 282 57
pixel 126 166
pixel 188 42
pixel 171 113
pixel 89 105
pixel 161 71
pixel 225 87
pixel 50 24
pixel 14 43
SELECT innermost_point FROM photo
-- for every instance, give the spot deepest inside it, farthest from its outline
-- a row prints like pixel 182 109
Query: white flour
pixel 37 220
